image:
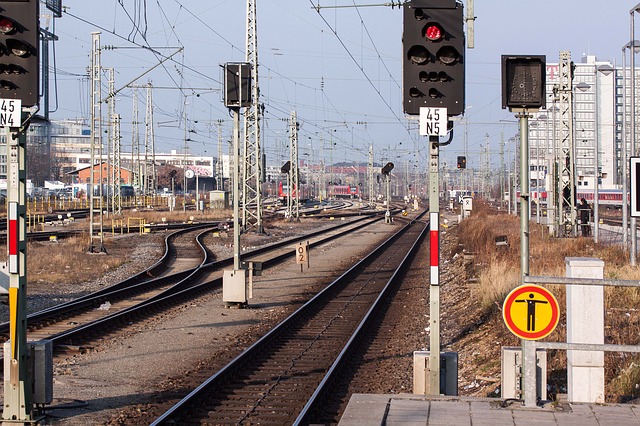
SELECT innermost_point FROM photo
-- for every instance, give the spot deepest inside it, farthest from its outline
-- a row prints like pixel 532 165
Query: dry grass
pixel 67 262
pixel 499 272
pixel 500 266
pixel 152 216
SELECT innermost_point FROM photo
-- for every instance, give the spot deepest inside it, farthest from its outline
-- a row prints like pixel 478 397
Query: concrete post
pixel 585 324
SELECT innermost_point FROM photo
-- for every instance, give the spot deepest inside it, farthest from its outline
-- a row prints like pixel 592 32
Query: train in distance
pixel 307 192
pixel 611 198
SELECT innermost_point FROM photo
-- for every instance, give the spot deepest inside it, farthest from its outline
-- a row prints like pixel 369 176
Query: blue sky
pixel 340 69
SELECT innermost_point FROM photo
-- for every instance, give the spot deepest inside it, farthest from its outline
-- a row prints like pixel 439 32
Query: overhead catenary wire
pixel 335 33
pixel 279 107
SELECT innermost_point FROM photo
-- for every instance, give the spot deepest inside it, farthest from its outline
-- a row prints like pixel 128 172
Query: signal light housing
pixel 237 84
pixel 433 56
pixel 387 168
pixel 19 64
pixel 523 81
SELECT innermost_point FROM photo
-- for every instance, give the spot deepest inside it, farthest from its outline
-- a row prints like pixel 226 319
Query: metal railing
pixel 529 351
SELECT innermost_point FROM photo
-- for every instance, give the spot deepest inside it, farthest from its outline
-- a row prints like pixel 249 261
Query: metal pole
pixel 529 388
pixel 625 206
pixel 236 189
pixel 388 213
pixel 634 229
pixel 524 191
pixel 596 177
pixel 538 198
pixel 434 282
pixel 184 160
pixel 515 177
pixel 17 386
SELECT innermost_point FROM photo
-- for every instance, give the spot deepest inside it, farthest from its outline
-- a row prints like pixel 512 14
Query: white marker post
pixel 433 123
pixel 17 383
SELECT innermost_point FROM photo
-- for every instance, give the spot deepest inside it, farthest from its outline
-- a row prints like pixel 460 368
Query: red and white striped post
pixel 434 244
pixel 14 238
pixel 434 282
pixel 17 383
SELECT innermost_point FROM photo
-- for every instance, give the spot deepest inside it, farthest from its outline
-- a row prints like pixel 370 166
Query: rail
pixel 313 305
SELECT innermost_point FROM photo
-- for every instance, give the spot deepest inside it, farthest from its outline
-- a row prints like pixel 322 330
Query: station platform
pixel 414 410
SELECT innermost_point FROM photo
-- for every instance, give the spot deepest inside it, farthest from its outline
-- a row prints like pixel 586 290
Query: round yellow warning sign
pixel 531 312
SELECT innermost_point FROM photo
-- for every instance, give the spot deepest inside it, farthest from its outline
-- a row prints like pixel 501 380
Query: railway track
pixel 285 377
pixel 184 251
pixel 73 325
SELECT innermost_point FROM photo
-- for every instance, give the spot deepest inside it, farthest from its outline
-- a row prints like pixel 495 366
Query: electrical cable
pixel 361 69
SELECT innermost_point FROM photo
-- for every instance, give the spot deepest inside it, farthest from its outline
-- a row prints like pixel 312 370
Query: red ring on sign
pixel 510 300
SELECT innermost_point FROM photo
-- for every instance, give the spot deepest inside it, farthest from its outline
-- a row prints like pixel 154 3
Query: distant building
pixel 57 149
pixel 595 97
pixel 83 175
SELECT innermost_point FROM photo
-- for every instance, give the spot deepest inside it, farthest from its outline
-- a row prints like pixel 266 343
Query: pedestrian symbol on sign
pixel 530 312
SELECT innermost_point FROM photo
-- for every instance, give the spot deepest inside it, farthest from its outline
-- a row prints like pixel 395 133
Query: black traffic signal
pixel 286 167
pixel 462 162
pixel 19 69
pixel 387 168
pixel 237 84
pixel 524 81
pixel 433 56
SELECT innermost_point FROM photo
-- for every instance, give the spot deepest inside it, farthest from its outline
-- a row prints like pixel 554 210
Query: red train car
pixel 283 192
pixel 344 191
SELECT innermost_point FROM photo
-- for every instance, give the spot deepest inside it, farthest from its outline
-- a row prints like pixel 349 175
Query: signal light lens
pixel 433 32
pixel 18 48
pixel 7 85
pixel 448 55
pixel 414 92
pixel 6 25
pixel 418 54
pixel 10 69
pixel 433 76
pixel 433 93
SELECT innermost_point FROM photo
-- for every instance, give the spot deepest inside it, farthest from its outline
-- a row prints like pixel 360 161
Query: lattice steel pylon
pixel 111 110
pixel 96 244
pixel 117 166
pixel 252 165
pixel 566 178
pixel 294 175
pixel 219 167
pixel 150 178
pixel 135 144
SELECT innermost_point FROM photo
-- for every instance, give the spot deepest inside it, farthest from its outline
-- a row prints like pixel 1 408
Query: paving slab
pixel 410 410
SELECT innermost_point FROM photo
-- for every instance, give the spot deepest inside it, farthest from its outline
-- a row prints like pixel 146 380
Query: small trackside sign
pixel 433 121
pixel 634 187
pixel 10 110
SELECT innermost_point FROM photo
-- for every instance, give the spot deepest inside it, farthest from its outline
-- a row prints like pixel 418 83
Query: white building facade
pixel 596 123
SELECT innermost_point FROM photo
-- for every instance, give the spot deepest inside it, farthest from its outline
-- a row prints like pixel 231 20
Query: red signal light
pixel 433 32
pixel 6 25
